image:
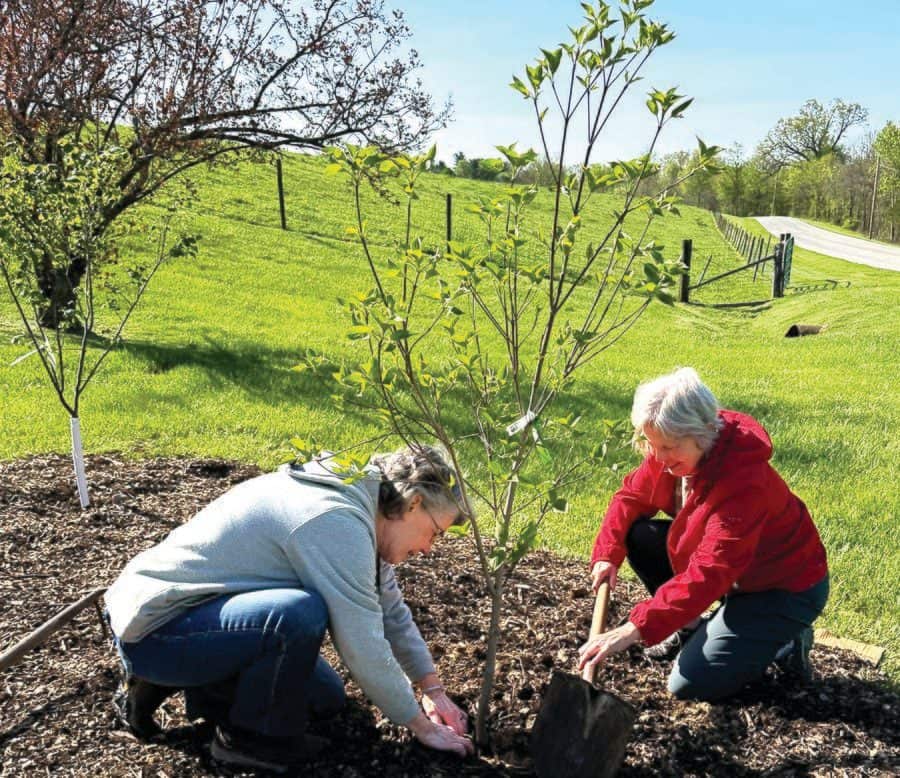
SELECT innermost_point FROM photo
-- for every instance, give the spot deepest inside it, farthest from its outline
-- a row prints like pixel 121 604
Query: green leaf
pixel 557 502
pixel 520 87
pixel 525 542
pixel 459 530
pixel 553 59
pixel 679 109
pixel 543 454
pixel 359 331
pixel 535 76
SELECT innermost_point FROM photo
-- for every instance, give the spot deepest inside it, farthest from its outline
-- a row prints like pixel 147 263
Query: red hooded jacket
pixel 740 528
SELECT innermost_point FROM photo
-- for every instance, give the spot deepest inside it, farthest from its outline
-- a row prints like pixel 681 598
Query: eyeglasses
pixel 438 530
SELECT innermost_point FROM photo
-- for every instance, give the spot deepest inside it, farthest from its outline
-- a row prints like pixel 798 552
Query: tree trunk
pixel 893 211
pixel 58 287
pixel 490 662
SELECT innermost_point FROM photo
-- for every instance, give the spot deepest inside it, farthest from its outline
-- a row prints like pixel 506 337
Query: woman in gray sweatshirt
pixel 239 598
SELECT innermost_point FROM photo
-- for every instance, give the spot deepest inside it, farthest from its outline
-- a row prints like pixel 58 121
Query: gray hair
pixel 419 470
pixel 679 405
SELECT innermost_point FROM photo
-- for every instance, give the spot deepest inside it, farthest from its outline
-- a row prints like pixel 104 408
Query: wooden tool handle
pixel 598 623
pixel 10 657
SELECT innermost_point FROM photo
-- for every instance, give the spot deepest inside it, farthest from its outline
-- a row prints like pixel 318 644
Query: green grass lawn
pixel 206 366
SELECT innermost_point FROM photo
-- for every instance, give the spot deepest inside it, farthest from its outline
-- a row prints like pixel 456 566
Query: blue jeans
pixel 741 640
pixel 263 646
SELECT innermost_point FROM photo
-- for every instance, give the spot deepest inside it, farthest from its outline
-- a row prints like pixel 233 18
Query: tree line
pixel 803 167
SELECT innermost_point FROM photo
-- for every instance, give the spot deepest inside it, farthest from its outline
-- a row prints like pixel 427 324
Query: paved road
pixel 833 244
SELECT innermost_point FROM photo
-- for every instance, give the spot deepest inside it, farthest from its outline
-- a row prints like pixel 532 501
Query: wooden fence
pixel 750 247
pixel 780 259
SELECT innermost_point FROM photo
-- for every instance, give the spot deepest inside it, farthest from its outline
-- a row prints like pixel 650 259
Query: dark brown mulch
pixel 56 719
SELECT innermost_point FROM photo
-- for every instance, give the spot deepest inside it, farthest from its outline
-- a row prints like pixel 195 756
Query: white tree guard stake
pixel 78 461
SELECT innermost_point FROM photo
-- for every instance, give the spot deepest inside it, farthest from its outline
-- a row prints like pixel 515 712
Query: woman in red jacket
pixel 737 534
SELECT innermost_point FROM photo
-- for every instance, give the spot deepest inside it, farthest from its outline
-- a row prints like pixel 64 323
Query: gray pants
pixel 740 641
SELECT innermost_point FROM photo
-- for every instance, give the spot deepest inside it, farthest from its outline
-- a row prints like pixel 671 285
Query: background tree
pixel 732 181
pixel 699 188
pixel 815 132
pixel 856 184
pixel 475 347
pixel 811 185
pixel 541 172
pixel 176 83
pixel 887 147
pixel 481 169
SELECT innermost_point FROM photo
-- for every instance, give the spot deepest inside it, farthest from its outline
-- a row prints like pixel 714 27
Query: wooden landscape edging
pixel 37 637
pixel 866 651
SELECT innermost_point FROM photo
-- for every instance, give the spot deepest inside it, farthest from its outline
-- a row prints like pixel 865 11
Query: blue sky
pixel 746 64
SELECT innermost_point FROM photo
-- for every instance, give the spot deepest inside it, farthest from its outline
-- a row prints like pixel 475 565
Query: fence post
pixel 280 191
pixel 449 219
pixel 777 269
pixel 687 248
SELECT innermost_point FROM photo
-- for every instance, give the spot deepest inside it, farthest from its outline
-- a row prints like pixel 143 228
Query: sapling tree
pixel 48 213
pixel 479 346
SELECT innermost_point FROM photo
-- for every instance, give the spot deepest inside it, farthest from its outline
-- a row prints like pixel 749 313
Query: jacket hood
pixel 323 471
pixel 742 441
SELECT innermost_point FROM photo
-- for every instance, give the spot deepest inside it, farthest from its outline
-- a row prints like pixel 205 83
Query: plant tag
pixel 519 424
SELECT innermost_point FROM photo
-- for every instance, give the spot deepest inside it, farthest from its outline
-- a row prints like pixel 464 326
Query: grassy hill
pixel 206 367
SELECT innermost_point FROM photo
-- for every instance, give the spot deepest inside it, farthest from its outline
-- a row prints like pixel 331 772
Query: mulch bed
pixel 56 718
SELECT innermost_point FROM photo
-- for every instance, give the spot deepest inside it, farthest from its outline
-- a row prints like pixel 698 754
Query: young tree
pixel 477 347
pixel 49 215
pixel 177 83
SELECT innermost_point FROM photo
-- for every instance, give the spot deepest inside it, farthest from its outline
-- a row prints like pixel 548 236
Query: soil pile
pixel 56 718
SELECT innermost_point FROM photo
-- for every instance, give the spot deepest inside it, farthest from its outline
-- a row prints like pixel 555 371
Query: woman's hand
pixel 442 710
pixel 604 571
pixel 595 652
pixel 439 736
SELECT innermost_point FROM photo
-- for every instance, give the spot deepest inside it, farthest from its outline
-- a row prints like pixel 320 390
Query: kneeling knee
pixel 684 689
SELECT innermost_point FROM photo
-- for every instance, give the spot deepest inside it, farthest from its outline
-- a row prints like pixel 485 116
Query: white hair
pixel 679 405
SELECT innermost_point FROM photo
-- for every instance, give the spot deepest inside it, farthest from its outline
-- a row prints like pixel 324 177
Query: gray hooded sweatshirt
pixel 297 527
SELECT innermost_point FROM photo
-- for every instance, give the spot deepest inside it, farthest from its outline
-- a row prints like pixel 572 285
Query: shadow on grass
pixel 256 369
pixel 265 372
